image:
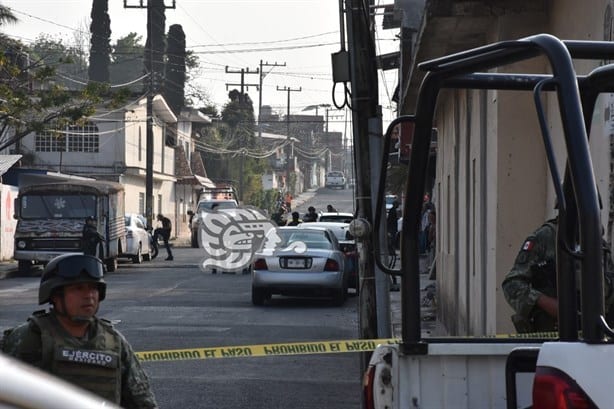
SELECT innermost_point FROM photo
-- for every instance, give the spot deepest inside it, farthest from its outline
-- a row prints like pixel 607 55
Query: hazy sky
pixel 235 33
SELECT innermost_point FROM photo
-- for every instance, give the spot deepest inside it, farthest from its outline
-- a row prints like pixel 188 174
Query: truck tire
pixel 24 266
pixel 111 264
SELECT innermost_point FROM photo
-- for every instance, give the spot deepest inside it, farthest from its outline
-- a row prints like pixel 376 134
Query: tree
pixel 127 61
pixel 175 77
pixel 25 108
pixel 101 48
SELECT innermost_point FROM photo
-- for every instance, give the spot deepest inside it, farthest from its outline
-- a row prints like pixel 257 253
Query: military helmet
pixel 69 269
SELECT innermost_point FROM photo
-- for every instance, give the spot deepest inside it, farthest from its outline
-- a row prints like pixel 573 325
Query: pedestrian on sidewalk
pixel 59 341
pixel 288 201
pixel 165 233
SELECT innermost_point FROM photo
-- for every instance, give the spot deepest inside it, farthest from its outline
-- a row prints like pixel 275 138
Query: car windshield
pixel 60 206
pixel 313 239
pixel 127 220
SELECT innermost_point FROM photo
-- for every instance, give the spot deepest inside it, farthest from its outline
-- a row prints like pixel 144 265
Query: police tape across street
pixel 292 348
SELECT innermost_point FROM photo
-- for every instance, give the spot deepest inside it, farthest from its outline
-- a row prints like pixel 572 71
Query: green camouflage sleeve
pixel 23 343
pixel 536 249
pixel 136 390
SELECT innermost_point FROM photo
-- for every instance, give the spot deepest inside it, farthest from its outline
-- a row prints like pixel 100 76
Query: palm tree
pixel 6 15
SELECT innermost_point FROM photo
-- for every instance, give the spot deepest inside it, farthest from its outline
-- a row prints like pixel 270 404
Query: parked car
pixel 138 240
pixel 335 179
pixel 207 204
pixel 347 244
pixel 25 387
pixel 306 261
pixel 342 217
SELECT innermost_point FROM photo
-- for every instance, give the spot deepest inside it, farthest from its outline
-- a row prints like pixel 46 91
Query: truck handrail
pixel 579 184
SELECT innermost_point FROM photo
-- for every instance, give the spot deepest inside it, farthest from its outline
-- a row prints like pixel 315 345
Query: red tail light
pixel 260 264
pixel 367 387
pixel 554 389
pixel 331 265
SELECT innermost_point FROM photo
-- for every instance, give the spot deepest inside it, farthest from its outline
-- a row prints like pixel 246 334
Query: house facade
pixel 113 146
pixel 491 185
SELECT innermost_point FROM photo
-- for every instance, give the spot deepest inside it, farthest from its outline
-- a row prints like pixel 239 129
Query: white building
pixel 112 146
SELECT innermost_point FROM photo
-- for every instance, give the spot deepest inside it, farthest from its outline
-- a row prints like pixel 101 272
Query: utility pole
pixel 243 86
pixel 149 141
pixel 262 75
pixel 289 147
pixel 366 118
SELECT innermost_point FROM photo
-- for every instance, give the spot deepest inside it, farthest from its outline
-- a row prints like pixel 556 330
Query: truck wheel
pixel 24 266
pixel 112 264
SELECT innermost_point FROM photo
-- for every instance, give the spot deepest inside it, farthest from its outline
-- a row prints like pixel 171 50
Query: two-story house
pixel 113 146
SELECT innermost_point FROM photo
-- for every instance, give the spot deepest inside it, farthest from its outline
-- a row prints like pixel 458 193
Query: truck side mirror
pixel 16 208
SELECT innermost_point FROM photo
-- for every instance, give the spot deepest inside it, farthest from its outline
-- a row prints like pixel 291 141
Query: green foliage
pixel 49 103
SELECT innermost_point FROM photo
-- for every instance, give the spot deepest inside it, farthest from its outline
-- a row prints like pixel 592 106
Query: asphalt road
pixel 169 305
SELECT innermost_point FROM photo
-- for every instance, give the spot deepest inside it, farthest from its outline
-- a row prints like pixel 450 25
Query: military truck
pixel 50 219
pixel 481 368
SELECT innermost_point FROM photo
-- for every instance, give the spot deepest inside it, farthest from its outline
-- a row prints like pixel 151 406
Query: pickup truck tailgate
pixel 450 375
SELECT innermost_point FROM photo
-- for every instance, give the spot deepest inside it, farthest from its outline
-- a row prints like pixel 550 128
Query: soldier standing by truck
pixel 530 286
pixel 91 238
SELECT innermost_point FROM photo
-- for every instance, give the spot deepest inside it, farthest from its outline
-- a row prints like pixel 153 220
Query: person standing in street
pixel 72 343
pixel 392 230
pixel 295 219
pixel 90 237
pixel 331 209
pixel 165 233
pixel 311 215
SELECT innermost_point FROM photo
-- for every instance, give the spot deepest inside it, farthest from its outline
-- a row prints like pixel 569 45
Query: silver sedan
pixel 299 261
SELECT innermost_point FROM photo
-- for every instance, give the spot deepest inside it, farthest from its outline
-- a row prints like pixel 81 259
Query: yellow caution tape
pixel 303 348
pixel 292 348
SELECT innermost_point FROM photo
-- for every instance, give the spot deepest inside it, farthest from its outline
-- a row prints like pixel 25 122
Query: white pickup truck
pixel 335 179
pixel 572 368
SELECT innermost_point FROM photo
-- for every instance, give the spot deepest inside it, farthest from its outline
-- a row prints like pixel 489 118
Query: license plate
pixel 296 263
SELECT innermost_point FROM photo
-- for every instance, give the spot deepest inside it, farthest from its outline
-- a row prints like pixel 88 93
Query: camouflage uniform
pixel 534 274
pixel 130 390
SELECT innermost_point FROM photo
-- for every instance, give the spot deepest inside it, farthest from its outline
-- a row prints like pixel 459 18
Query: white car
pixel 139 245
pixel 341 217
pixel 305 261
pixel 347 244
pixel 25 387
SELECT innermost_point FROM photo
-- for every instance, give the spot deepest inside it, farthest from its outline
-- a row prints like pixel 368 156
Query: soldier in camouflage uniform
pixel 530 286
pixel 70 342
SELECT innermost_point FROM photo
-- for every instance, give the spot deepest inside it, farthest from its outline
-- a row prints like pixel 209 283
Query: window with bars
pixel 50 141
pixel 74 138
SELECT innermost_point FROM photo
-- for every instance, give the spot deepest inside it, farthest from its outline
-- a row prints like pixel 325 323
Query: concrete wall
pixel 492 184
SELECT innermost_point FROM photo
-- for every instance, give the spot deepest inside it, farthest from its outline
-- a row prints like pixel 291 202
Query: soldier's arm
pixel 136 389
pixel 24 343
pixel 517 288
